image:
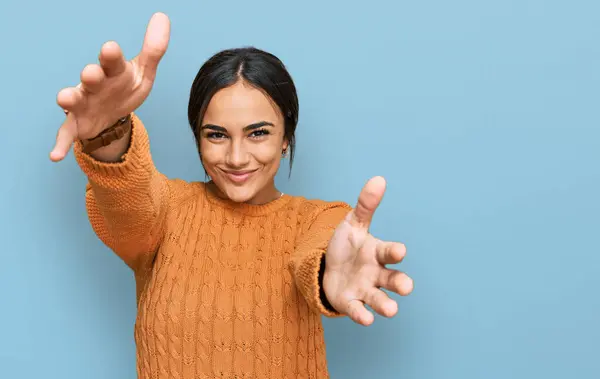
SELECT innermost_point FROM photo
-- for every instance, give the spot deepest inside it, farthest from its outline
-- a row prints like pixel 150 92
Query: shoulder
pixel 322 211
pixel 182 192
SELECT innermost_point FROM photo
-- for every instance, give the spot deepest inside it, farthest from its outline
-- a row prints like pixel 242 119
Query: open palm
pixel 355 265
pixel 112 89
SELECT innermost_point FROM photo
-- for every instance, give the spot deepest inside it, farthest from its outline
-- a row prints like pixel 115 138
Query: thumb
pixel 64 139
pixel 369 199
pixel 155 44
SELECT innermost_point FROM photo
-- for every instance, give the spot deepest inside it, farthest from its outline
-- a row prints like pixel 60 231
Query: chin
pixel 237 194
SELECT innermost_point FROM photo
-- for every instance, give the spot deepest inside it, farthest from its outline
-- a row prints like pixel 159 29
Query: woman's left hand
pixel 355 264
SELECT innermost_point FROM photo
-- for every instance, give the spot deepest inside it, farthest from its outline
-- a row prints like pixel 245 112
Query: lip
pixel 239 176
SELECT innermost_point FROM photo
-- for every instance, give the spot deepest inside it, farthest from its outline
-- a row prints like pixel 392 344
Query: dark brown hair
pixel 258 68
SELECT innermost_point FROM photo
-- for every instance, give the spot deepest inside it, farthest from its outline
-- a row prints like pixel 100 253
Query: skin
pixel 242 132
pixel 242 141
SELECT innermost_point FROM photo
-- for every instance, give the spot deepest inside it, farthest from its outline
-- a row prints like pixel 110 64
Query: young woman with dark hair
pixel 232 275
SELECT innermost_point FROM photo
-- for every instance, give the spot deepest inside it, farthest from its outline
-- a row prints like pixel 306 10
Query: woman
pixel 232 275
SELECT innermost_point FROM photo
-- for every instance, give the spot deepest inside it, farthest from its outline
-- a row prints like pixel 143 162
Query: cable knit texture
pixel 224 290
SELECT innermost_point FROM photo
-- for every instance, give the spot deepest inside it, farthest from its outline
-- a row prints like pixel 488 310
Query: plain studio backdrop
pixel 482 115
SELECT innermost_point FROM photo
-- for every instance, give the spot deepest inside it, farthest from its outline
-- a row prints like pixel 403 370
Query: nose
pixel 237 155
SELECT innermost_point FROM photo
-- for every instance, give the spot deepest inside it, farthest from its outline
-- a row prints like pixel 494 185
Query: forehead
pixel 240 105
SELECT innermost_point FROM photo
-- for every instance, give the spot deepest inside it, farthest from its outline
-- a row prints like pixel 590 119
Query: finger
pixel 70 98
pixel 358 313
pixel 155 44
pixel 368 200
pixel 395 281
pixel 390 252
pixel 64 139
pixel 381 303
pixel 112 59
pixel 92 78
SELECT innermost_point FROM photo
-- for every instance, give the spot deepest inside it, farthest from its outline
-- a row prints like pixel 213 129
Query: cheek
pixel 210 154
pixel 267 154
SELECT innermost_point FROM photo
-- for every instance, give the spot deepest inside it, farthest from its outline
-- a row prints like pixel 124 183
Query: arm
pixel 308 260
pixel 126 197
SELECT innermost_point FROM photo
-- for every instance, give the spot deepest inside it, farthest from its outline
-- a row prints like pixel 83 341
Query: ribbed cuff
pixel 309 279
pixel 326 304
pixel 135 158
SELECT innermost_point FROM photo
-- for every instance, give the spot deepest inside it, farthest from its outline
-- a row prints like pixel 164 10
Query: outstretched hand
pixel 112 89
pixel 355 265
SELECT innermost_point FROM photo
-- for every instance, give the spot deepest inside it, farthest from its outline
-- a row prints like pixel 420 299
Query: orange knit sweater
pixel 224 290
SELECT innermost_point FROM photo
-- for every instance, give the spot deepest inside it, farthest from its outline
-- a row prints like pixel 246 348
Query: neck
pixel 267 194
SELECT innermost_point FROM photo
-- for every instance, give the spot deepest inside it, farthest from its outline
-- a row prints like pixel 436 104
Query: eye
pixel 259 133
pixel 215 135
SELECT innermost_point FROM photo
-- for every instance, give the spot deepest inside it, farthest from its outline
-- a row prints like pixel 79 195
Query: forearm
pixel 308 260
pixel 307 273
pixel 126 199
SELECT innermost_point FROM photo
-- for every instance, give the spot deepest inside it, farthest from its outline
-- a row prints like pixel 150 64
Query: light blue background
pixel 482 115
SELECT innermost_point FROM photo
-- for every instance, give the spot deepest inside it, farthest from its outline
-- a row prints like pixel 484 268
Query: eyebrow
pixel 256 125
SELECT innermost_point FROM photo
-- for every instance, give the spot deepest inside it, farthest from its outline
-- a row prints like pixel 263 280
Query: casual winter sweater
pixel 224 290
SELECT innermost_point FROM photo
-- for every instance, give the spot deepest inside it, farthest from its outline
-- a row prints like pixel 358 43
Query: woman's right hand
pixel 112 89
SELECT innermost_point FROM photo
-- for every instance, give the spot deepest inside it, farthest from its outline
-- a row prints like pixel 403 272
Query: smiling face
pixel 241 143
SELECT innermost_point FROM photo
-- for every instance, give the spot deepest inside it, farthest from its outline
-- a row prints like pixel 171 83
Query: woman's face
pixel 241 143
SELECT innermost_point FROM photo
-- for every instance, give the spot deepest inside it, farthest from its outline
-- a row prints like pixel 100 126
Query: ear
pixel 285 145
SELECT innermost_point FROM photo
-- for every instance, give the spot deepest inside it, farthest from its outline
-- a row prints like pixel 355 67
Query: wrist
pixel 107 126
pixel 117 131
pixel 324 282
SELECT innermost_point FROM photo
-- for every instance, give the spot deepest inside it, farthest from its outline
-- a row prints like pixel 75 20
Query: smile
pixel 239 176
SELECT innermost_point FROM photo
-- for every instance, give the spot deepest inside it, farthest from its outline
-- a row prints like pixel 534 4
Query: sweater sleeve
pixel 126 201
pixel 318 224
